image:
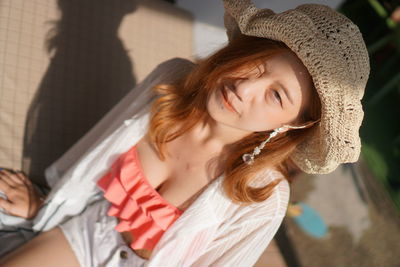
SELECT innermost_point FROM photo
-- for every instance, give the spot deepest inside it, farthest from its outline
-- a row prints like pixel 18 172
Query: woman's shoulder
pixel 168 71
pixel 177 61
pixel 276 204
pixel 175 65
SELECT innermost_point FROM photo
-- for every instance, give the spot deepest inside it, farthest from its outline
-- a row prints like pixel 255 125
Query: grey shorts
pixel 94 240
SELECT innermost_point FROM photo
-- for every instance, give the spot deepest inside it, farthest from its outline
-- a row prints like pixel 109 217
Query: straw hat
pixel 331 46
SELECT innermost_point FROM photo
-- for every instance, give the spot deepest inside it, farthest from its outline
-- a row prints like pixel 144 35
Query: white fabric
pixel 94 240
pixel 213 231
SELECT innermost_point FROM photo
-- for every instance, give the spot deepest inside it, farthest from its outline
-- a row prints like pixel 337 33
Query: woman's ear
pixel 281 129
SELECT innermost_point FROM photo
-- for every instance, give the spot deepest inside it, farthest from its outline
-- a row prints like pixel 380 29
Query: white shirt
pixel 213 231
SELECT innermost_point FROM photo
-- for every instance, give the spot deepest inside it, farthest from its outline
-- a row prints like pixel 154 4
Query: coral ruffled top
pixel 139 207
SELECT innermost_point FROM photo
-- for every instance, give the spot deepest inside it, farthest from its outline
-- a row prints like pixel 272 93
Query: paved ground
pixel 272 257
pixel 364 226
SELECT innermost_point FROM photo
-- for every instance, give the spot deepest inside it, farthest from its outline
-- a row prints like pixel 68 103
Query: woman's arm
pixel 22 198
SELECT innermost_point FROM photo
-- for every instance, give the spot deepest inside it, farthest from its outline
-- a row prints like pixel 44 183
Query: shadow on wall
pixel 89 72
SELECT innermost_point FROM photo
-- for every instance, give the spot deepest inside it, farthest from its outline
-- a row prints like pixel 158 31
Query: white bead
pixel 248 158
pixel 127 122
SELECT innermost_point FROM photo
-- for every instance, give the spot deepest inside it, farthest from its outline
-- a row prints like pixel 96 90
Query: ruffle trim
pixel 140 208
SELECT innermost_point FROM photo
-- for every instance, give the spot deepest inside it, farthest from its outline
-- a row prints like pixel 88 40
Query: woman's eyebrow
pixel 286 92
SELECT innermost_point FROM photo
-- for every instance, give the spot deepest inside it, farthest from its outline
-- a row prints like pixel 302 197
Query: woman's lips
pixel 225 100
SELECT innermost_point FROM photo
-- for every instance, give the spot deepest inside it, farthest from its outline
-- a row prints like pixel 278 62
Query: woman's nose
pixel 247 89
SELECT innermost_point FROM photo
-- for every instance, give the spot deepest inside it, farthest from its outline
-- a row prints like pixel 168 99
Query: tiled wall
pixel 64 64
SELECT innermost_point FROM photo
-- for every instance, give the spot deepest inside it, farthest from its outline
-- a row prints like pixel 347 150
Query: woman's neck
pixel 213 135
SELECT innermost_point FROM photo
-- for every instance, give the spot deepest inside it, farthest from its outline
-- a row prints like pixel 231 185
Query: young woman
pixel 195 172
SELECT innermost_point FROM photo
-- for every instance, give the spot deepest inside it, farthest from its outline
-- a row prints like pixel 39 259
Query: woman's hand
pixel 23 199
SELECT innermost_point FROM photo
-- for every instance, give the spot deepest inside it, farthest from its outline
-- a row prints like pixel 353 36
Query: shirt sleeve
pixel 242 245
pixel 245 236
pixel 238 240
pixel 78 168
pixel 133 103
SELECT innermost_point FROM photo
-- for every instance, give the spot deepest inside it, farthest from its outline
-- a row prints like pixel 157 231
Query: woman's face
pixel 266 98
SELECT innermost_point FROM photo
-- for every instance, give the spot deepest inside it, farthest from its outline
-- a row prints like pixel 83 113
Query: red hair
pixel 183 104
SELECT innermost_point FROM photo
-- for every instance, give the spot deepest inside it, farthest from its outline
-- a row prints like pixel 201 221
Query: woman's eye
pixel 277 96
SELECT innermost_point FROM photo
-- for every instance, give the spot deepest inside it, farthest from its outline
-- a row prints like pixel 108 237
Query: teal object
pixel 310 221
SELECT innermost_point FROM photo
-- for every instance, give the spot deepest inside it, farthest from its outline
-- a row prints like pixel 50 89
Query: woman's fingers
pixel 5 205
pixel 22 176
pixel 4 177
pixel 10 178
pixel 21 198
pixel 22 179
pixel 4 187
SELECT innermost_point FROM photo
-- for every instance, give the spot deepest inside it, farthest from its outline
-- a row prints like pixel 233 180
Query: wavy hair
pixel 182 104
